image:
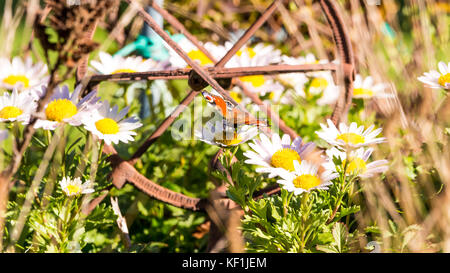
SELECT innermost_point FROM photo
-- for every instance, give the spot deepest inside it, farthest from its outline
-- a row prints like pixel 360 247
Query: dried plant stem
pixel 84 158
pixel 96 152
pixel 32 191
pixel 55 169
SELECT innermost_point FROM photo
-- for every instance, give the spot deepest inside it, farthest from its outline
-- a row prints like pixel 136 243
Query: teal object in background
pixel 388 31
pixel 149 44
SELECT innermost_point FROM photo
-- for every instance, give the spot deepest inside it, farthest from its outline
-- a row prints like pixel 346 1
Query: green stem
pixel 286 202
pixel 305 215
pixel 342 191
pixel 63 224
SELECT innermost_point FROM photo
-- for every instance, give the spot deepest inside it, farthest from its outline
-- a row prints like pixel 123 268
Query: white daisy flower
pixel 277 153
pixel 296 81
pixel 357 163
pixel 237 94
pixel 65 107
pixel 262 85
pixel 320 82
pixel 435 79
pixel 366 89
pixel 17 107
pixel 323 83
pixel 349 136
pixel 22 74
pixel 117 64
pixel 216 134
pixel 74 187
pixel 308 59
pixel 108 124
pixel 259 55
pixel 305 178
pixel 195 54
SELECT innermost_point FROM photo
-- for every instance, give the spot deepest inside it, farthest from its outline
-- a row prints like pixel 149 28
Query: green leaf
pixel 327 249
pixel 340 236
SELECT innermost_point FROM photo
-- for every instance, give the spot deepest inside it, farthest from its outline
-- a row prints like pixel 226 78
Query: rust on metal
pixel 123 171
pixel 248 34
pixel 345 52
pixel 215 72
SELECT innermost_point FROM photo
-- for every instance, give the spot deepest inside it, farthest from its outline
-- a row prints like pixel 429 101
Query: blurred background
pixel 394 41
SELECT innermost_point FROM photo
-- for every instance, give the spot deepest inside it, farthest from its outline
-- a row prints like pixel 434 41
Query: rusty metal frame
pixel 124 171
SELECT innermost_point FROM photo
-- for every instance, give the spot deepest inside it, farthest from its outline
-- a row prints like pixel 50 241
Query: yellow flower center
pixel 124 70
pixel 356 166
pixel 443 6
pixel 60 109
pixel 10 112
pixel 306 181
pixel 107 126
pixel 73 190
pixel 14 79
pixel 222 138
pixel 319 83
pixel 256 80
pixel 444 79
pixel 351 138
pixel 271 95
pixel 236 96
pixel 249 50
pixel 284 158
pixel 362 92
pixel 199 56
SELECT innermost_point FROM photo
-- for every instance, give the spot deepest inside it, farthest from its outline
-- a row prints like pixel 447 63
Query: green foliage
pixel 288 222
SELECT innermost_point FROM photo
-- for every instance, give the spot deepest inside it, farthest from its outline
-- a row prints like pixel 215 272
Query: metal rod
pixel 248 34
pixel 183 73
pixel 196 67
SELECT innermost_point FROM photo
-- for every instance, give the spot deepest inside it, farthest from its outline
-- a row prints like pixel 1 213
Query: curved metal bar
pixel 124 171
pixel 345 52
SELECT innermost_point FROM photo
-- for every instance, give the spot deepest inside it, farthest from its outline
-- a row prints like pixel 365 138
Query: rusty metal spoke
pixel 248 34
pixel 215 72
pixel 123 171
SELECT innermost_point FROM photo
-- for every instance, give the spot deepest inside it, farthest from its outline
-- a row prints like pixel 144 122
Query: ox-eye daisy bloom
pixel 74 187
pixel 312 83
pixel 349 136
pixel 322 82
pixel 277 153
pixel 305 178
pixel 259 55
pixel 195 54
pixel 108 124
pixel 435 79
pixel 357 163
pixel 366 89
pixel 216 134
pixel 237 94
pixel 296 81
pixel 66 107
pixel 117 64
pixel 22 74
pixel 17 106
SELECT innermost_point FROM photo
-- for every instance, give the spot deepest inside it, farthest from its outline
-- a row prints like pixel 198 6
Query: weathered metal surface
pixel 215 72
pixel 123 171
